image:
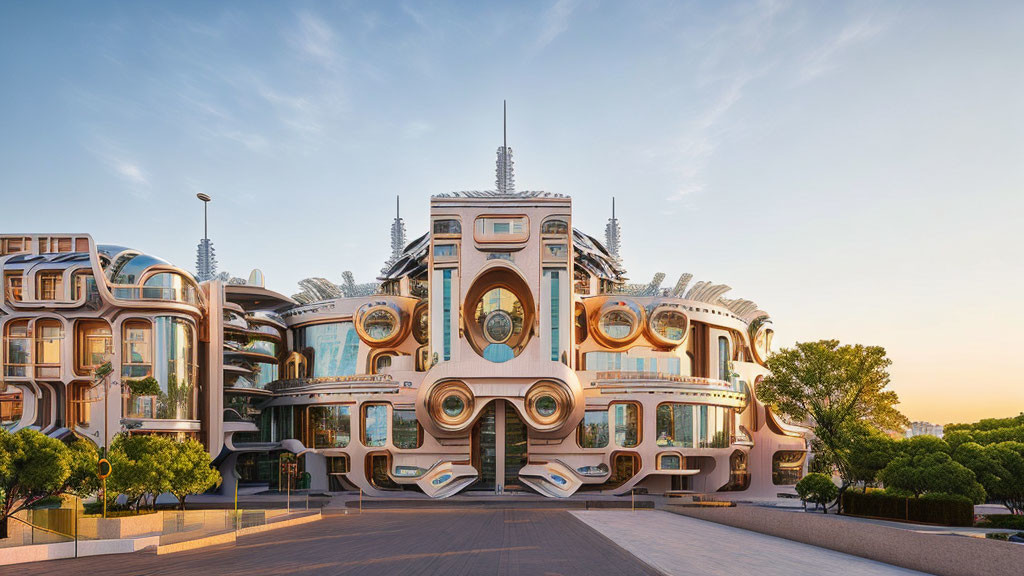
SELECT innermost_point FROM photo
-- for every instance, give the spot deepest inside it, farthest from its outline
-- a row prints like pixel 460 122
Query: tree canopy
pixel 34 466
pixel 838 390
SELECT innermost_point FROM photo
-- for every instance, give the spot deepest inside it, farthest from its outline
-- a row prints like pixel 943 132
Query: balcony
pixel 185 295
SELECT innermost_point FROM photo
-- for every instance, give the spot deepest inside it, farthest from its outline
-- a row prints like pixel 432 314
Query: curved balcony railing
pixel 632 376
pixel 186 295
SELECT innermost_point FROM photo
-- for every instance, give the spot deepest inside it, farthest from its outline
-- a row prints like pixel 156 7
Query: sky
pixel 855 168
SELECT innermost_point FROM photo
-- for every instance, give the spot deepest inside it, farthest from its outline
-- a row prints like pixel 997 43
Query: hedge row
pixel 932 509
pixel 1003 521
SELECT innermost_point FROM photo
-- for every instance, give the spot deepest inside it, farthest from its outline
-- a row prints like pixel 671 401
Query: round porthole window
pixel 453 406
pixel 380 324
pixel 498 326
pixel 667 326
pixel 619 322
pixel 546 406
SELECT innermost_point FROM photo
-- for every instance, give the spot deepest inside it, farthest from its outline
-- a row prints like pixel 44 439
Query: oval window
pixel 668 327
pixel 617 324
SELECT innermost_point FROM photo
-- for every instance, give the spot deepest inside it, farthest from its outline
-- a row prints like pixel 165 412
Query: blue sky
pixel 857 169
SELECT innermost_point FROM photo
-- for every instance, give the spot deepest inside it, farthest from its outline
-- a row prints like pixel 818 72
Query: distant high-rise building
pixel 613 234
pixel 206 260
pixel 398 240
pixel 924 429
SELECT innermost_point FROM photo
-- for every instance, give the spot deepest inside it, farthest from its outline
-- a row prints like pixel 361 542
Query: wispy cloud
pixel 554 22
pixel 316 39
pixel 822 60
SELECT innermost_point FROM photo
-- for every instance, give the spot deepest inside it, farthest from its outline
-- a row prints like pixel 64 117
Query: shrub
pixel 1008 521
pixel 933 508
pixel 817 488
pixel 147 386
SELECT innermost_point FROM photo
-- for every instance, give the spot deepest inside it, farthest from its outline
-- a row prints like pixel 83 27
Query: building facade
pixel 502 351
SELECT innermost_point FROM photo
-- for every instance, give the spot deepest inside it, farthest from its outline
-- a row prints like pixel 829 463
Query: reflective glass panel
pixel 375 425
pixel 593 431
pixel 405 430
pixel 627 425
pixel 331 426
pixel 335 348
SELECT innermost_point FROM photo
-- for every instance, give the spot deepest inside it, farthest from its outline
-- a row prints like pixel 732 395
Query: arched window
pixel 137 349
pixel 18 345
pixel 49 335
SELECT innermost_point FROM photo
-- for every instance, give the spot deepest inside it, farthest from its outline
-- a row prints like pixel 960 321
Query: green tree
pixel 999 468
pixel 835 389
pixel 139 468
pixel 191 471
pixel 817 488
pixel 869 453
pixel 34 466
pixel 920 472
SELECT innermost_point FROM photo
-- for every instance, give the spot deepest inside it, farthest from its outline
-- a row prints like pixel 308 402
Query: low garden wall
pixel 940 554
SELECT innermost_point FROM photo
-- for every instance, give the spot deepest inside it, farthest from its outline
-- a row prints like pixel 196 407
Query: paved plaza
pixel 682 546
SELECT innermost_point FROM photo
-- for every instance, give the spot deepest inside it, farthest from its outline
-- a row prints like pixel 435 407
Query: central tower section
pixel 501 314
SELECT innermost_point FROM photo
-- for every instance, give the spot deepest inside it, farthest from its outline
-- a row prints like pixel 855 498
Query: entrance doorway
pixel 499 447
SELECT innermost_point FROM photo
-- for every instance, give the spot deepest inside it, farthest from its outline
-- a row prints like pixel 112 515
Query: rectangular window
pixel 673 366
pixel 14 287
pixel 446 313
pixel 702 426
pixel 627 425
pixel 555 252
pixel 375 424
pixel 19 349
pixel 50 286
pixel 444 251
pixel 92 344
pixel 12 406
pixel 49 335
pixel 136 354
pixel 555 298
pixel 675 425
pixel 723 359
pixel 330 426
pixel 593 431
pixel 447 227
pixel 405 430
pixel 335 348
pixel 501 229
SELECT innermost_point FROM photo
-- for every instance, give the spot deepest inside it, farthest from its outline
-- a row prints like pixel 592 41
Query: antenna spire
pixel 505 181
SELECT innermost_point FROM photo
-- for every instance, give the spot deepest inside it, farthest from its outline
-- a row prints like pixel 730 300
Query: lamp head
pixel 203 197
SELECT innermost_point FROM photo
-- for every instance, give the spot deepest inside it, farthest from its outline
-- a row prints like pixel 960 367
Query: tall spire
pixel 613 234
pixel 398 240
pixel 505 180
pixel 206 259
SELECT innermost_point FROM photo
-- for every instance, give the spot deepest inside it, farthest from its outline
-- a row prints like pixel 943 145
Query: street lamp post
pixel 206 200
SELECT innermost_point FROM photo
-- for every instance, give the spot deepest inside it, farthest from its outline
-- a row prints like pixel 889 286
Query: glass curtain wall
pixel 335 348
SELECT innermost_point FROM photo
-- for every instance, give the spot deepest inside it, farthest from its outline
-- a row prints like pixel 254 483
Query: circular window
pixel 546 406
pixel 498 326
pixel 668 326
pixel 619 322
pixel 453 405
pixel 380 324
pixel 450 404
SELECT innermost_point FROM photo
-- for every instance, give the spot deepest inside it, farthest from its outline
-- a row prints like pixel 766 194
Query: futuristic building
pixel 502 350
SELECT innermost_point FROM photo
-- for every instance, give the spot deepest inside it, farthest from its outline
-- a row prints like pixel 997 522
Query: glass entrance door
pixel 499 447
